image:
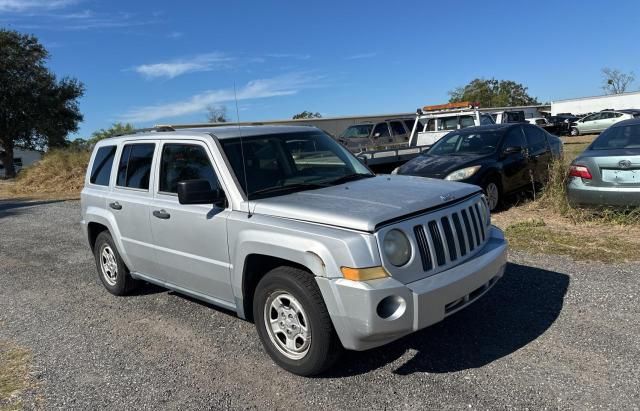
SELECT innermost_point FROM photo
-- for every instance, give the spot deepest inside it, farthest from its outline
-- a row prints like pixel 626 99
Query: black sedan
pixel 500 158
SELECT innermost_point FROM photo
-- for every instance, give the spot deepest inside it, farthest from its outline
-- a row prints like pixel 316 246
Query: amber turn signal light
pixel 363 274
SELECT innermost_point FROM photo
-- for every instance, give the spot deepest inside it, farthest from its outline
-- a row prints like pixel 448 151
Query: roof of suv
pixel 222 132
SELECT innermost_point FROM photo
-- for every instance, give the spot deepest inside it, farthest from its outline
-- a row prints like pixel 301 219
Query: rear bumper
pixel 581 194
pixel 364 320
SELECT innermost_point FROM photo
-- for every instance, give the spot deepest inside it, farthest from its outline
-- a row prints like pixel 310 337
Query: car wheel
pixel 112 271
pixel 293 323
pixel 493 193
pixel 574 132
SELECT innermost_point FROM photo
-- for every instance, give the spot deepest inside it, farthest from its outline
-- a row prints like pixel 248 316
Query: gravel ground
pixel 552 334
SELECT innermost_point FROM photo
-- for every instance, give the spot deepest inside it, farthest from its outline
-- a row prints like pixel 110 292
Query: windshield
pixel 359 131
pixel 617 138
pixel 278 164
pixel 481 142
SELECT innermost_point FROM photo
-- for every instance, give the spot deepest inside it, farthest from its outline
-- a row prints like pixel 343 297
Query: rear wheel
pixel 574 132
pixel 293 323
pixel 112 271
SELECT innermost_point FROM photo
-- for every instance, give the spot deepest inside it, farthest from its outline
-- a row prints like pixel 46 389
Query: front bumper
pixel 581 194
pixel 363 320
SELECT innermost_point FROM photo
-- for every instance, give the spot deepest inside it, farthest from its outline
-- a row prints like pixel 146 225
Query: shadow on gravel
pixel 13 206
pixel 520 308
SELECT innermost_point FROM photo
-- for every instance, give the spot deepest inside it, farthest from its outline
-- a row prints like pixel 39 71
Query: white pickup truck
pixel 431 124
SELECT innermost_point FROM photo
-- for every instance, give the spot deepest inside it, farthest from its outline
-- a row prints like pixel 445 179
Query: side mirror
pixel 376 135
pixel 512 150
pixel 198 192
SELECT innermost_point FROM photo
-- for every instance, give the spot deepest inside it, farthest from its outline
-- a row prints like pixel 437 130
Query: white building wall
pixel 591 104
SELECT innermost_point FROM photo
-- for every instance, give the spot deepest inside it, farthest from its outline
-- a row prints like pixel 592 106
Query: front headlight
pixel 395 170
pixel 463 173
pixel 396 247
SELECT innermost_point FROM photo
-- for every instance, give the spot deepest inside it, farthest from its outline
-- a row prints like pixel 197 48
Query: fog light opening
pixel 391 307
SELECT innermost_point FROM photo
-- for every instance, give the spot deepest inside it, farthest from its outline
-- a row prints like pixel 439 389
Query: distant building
pixel 21 158
pixel 585 105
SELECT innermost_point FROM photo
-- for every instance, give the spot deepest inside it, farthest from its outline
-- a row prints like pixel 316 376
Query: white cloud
pixel 19 6
pixel 175 68
pixel 256 89
pixel 362 56
pixel 175 35
pixel 288 56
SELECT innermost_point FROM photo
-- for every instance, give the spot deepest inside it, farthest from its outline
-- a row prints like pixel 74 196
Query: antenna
pixel 244 164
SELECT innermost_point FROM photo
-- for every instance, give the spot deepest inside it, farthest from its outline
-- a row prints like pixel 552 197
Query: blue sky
pixel 158 62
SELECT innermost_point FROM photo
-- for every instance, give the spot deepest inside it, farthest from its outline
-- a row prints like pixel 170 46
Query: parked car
pixel 597 122
pixel 285 227
pixel 500 158
pixel 389 132
pixel 608 171
pixel 561 123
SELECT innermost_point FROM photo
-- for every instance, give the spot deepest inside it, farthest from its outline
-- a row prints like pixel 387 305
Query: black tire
pixel 486 187
pixel 324 348
pixel 574 132
pixel 121 283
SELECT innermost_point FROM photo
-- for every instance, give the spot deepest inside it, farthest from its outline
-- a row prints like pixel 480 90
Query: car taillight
pixel 580 171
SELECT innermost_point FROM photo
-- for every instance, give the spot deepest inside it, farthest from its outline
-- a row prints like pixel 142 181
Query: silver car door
pixel 191 240
pixel 128 201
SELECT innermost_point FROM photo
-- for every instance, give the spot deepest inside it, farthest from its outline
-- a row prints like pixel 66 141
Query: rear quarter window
pixel 102 163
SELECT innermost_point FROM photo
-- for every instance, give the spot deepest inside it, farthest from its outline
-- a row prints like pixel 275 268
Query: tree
pixel 114 130
pixel 307 114
pixel 493 93
pixel 36 110
pixel 615 82
pixel 217 114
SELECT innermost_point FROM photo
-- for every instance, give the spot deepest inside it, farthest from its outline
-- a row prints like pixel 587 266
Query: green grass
pixel 534 236
pixel 14 367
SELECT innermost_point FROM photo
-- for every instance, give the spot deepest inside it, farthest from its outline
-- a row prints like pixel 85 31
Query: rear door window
pixel 397 128
pixel 135 166
pixel 536 140
pixel 381 130
pixel 102 163
pixel 514 138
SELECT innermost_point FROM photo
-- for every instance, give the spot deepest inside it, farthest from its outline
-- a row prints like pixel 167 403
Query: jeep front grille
pixel 448 239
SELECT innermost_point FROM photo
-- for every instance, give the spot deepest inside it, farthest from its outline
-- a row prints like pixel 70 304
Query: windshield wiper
pixel 289 187
pixel 349 177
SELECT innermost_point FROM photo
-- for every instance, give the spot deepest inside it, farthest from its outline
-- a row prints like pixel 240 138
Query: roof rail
pixel 157 129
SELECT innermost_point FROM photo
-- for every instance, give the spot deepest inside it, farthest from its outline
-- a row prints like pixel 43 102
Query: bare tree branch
pixel 616 82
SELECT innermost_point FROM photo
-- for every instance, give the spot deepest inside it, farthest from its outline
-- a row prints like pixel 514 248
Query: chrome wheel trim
pixel 108 265
pixel 493 195
pixel 287 325
pixel 573 132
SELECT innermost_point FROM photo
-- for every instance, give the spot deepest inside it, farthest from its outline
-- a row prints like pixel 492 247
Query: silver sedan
pixel 608 171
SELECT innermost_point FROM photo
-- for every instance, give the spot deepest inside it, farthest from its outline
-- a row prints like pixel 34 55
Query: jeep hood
pixel 363 204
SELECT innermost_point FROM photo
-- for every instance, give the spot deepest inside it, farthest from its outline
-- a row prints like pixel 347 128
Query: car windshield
pixel 277 164
pixel 617 138
pixel 359 131
pixel 479 142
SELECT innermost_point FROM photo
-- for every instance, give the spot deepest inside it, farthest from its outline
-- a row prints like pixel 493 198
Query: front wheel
pixel 574 132
pixel 494 196
pixel 293 323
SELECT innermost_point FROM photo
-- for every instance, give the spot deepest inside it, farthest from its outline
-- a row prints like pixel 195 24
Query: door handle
pixel 161 214
pixel 115 205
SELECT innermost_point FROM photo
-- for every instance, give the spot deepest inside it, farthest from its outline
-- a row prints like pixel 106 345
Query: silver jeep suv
pixel 288 229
